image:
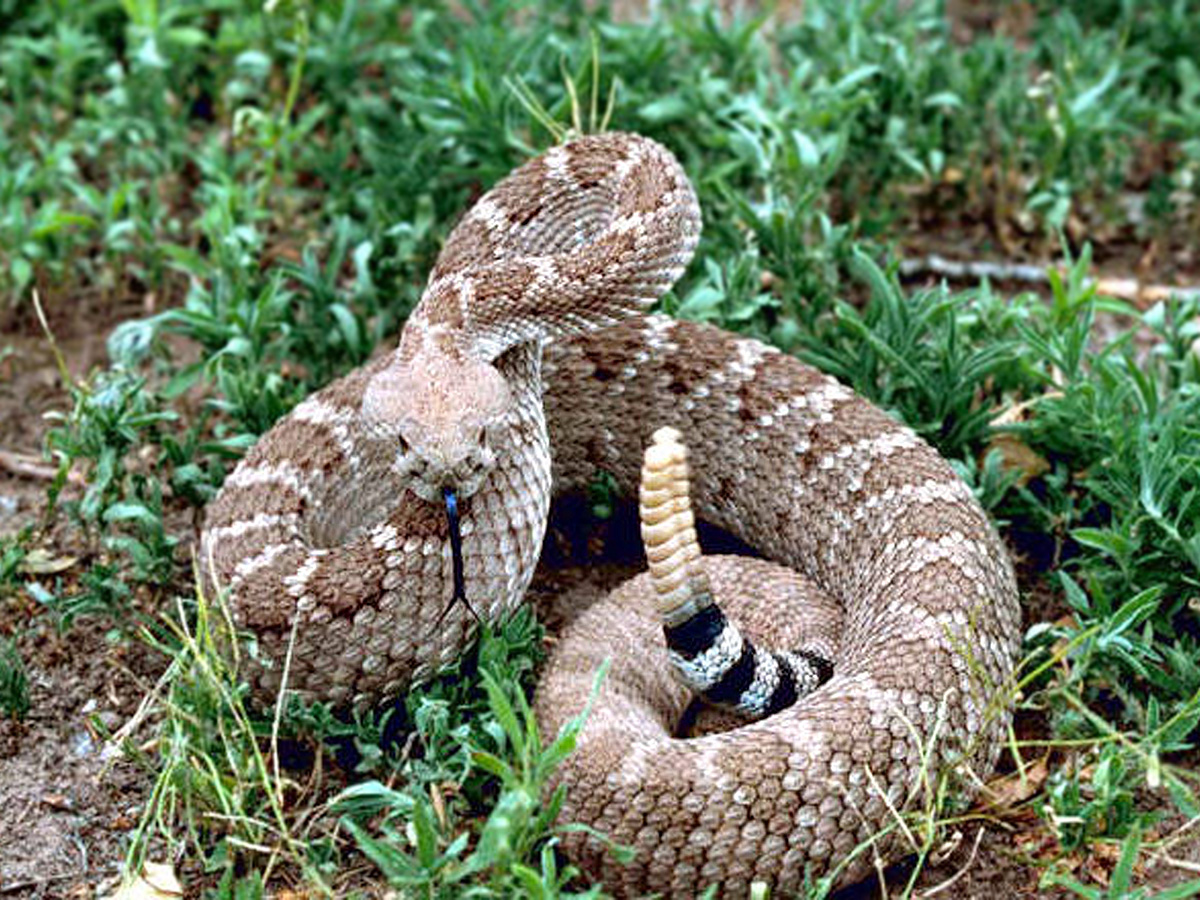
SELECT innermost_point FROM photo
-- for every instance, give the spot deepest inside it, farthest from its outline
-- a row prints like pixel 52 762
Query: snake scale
pixel 350 530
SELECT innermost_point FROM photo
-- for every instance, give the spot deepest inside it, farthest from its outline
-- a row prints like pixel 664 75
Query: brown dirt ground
pixel 66 807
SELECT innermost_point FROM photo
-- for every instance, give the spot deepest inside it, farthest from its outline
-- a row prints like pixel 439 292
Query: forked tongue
pixel 460 589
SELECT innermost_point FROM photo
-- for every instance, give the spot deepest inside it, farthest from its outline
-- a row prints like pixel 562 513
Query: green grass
pixel 14 684
pixel 280 178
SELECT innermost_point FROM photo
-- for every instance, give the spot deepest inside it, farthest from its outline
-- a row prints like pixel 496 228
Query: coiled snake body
pixel 529 363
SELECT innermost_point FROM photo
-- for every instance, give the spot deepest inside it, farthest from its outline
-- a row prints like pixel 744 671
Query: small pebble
pixel 82 743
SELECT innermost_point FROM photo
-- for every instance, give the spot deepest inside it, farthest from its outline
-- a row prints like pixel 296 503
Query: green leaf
pixel 501 707
pixel 1076 596
pixel 944 99
pixel 671 108
pixel 22 271
pixel 426 832
pixel 348 326
pixel 1122 874
pixel 806 150
pixel 187 36
pixel 530 880
pixel 1105 541
pixel 1134 610
pixel 396 865
pixel 1093 95
pixel 182 381
pixel 492 763
pixel 856 77
pixel 1184 891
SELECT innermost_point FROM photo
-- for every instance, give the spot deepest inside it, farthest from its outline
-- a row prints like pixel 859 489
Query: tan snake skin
pixel 330 533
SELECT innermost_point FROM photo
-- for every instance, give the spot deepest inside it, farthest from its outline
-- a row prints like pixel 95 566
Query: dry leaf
pixel 41 562
pixel 1006 792
pixel 1018 457
pixel 157 882
pixel 1102 859
pixel 1015 454
pixel 58 801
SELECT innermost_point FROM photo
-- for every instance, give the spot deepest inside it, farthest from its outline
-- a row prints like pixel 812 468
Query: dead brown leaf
pixel 39 561
pixel 157 882
pixel 1005 793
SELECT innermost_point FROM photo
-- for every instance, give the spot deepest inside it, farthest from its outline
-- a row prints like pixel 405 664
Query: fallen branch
pixel 25 465
pixel 14 886
pixel 1130 289
pixel 949 882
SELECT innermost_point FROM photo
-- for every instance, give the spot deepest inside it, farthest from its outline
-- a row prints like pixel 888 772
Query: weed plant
pixel 14 683
pixel 280 177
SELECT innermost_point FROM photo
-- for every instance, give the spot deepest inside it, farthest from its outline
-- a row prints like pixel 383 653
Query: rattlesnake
pixel 333 536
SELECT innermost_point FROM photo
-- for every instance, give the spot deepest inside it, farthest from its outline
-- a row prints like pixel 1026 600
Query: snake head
pixel 439 410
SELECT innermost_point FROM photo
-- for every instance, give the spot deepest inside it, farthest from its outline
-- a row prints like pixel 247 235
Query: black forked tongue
pixel 456 556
